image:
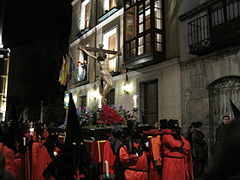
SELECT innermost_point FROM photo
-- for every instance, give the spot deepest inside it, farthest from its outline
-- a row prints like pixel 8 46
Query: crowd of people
pixel 37 152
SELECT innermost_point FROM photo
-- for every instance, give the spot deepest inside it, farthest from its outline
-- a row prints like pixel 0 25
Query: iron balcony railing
pixel 218 28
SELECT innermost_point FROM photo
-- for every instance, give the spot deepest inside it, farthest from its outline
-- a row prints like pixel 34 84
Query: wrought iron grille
pixel 218 28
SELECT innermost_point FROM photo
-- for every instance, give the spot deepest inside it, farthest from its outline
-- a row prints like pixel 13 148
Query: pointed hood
pixel 235 110
pixel 73 132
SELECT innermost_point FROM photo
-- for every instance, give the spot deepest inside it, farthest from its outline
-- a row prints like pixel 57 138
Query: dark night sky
pixel 37 33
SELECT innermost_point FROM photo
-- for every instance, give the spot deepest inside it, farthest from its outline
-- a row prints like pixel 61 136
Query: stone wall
pixel 169 88
pixel 197 74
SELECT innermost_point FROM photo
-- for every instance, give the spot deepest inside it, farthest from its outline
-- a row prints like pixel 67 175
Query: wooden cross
pixel 101 57
pixel 99 49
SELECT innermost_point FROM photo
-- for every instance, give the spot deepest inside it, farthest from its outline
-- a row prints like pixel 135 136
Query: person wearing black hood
pixel 74 163
pixel 133 154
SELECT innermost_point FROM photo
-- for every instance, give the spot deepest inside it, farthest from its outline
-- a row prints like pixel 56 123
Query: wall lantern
pixel 66 99
pixel 127 88
pixel 95 94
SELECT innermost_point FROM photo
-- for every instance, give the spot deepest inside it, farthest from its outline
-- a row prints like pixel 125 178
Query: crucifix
pixel 103 61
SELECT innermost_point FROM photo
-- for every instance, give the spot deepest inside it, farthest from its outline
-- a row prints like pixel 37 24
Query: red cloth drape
pixel 136 167
pixel 95 149
pixel 35 150
pixel 113 162
pixel 11 164
pixel 156 159
pixel 42 162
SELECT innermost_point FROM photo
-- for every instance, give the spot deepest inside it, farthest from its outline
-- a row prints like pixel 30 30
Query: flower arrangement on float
pixel 107 116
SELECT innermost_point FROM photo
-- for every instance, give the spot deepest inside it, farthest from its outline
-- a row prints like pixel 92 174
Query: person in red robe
pixel 155 159
pixel 11 150
pixel 133 154
pixel 111 152
pixel 4 174
pixel 42 135
pixel 175 150
pixel 45 156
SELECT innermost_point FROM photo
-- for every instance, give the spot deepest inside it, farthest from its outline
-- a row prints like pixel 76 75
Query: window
pixel 143 27
pixel 147 18
pixel 130 23
pixel 109 4
pixel 140 45
pixel 158 42
pixel 82 67
pixel 110 43
pixel 85 14
pixel 83 101
pixel 111 97
pixel 149 101
pixel 112 4
pixel 158 14
pixel 144 17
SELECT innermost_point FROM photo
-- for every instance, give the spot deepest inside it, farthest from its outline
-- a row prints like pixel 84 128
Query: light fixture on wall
pixel 127 88
pixel 95 94
pixel 66 99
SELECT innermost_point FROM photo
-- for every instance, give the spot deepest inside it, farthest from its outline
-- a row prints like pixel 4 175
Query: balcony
pixel 217 29
pixel 107 14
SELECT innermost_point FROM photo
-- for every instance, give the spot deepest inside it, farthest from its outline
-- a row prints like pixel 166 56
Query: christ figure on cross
pixel 103 61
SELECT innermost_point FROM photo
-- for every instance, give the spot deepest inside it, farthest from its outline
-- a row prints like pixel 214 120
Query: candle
pixel 100 102
pixel 24 141
pixel 135 101
pixel 31 131
pixel 107 170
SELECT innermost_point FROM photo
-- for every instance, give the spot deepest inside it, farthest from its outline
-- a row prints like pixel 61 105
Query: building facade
pixel 146 32
pixel 4 67
pixel 210 61
pixel 4 72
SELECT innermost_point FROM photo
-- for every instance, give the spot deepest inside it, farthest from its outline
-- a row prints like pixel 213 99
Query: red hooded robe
pixel 42 162
pixel 175 153
pixel 136 167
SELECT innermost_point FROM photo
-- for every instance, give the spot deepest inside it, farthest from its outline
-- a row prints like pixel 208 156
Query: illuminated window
pixel 140 45
pixel 147 18
pixel 109 4
pixel 85 14
pixel 82 67
pixel 158 14
pixel 112 4
pixel 110 43
pixel 158 42
pixel 143 27
pixel 130 23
